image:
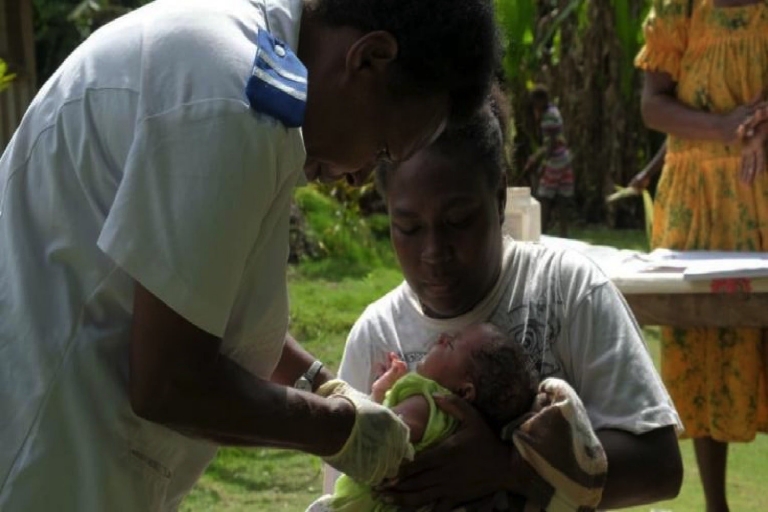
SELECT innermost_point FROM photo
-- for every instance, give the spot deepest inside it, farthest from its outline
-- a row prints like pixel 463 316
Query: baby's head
pixel 486 368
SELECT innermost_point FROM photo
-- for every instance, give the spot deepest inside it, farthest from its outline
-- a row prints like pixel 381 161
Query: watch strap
pixel 312 371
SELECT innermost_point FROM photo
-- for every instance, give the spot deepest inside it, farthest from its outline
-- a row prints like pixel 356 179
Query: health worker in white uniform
pixel 144 208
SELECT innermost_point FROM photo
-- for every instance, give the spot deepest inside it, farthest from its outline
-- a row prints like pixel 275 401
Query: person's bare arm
pixel 414 412
pixel 179 378
pixel 294 362
pixel 474 462
pixel 642 468
pixel 642 179
pixel 663 112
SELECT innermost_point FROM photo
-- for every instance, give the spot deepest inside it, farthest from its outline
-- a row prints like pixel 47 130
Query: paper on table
pixel 690 265
pixel 707 265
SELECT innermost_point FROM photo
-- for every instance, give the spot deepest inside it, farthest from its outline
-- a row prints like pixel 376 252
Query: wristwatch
pixel 307 381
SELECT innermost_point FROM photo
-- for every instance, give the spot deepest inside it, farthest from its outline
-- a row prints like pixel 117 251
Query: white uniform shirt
pixel 139 160
pixel 571 320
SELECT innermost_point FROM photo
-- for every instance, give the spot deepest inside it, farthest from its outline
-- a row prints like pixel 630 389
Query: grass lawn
pixel 323 310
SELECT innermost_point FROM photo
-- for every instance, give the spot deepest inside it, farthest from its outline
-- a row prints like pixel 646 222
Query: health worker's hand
pixel 469 465
pixel 378 443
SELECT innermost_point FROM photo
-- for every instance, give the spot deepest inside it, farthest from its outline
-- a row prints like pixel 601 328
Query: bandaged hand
pixel 378 443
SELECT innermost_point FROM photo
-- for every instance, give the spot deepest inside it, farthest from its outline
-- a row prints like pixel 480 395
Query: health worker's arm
pixel 179 378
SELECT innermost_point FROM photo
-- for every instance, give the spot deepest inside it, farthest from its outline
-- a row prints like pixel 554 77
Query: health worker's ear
pixel 369 57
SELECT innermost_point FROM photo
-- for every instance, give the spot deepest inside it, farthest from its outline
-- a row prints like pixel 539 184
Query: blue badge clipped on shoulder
pixel 278 82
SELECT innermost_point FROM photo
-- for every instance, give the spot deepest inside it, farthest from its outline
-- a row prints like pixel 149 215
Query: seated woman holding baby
pixel 446 207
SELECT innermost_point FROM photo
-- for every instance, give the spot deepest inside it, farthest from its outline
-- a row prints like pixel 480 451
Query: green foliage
pixel 5 77
pixel 90 14
pixel 518 21
pixel 348 243
pixel 61 25
pixel 629 31
pixel 528 34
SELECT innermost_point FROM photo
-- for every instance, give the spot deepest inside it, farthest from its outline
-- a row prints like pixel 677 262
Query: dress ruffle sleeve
pixel 666 37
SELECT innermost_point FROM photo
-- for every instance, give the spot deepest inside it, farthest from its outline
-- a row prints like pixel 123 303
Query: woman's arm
pixel 642 468
pixel 179 378
pixel 642 179
pixel 663 112
pixel 474 463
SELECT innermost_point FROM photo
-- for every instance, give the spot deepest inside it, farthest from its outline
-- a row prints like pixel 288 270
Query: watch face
pixel 303 384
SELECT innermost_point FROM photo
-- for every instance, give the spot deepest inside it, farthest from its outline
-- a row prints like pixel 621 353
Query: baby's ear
pixel 467 391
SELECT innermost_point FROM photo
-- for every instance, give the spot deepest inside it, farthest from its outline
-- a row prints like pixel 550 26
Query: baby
pixel 479 364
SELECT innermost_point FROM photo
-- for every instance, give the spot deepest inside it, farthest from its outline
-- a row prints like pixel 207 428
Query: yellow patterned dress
pixel 719 58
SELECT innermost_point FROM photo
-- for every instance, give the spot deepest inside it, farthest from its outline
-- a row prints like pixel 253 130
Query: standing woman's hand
pixel 641 180
pixel 753 152
pixel 732 124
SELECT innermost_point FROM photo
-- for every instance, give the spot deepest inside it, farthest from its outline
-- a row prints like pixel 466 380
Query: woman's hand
pixel 731 123
pixel 641 180
pixel 753 153
pixel 748 128
pixel 471 464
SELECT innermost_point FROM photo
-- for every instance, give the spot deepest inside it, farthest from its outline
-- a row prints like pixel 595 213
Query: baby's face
pixel 447 361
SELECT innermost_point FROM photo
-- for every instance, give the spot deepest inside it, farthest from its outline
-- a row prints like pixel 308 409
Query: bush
pixel 349 243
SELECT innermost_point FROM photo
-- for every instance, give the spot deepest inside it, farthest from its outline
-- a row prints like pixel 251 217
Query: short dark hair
pixel 443 45
pixel 478 144
pixel 505 381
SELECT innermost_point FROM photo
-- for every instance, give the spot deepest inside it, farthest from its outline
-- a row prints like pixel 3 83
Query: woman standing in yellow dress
pixel 706 73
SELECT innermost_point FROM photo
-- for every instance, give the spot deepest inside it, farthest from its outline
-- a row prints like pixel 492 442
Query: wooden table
pixel 666 299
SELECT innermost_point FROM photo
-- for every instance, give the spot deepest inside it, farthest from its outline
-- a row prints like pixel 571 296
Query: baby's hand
pixel 396 369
